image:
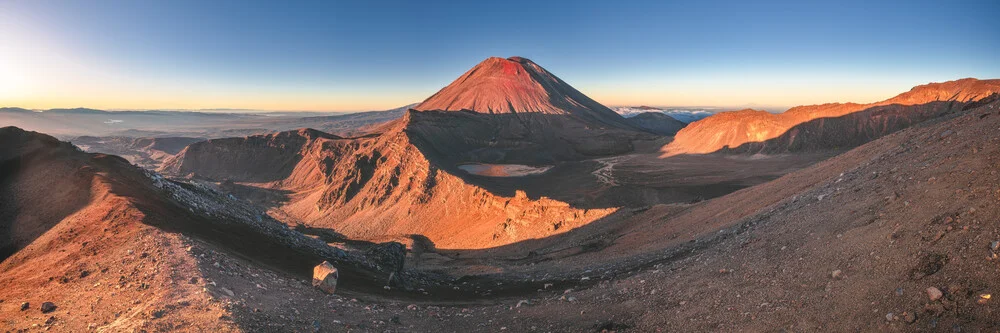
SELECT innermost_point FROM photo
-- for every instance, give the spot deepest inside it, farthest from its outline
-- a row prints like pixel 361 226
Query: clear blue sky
pixel 357 55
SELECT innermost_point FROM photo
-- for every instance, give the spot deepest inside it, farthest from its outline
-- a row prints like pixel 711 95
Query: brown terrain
pixel 119 246
pixel 824 126
pixel 509 201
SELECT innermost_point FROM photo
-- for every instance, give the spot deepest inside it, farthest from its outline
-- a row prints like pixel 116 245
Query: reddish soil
pixel 79 241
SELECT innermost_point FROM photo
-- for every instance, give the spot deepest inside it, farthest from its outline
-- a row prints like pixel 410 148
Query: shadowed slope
pixel 258 158
pixel 27 185
pixel 657 122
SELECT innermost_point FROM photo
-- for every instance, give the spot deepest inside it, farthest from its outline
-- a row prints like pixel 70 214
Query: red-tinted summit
pixel 517 85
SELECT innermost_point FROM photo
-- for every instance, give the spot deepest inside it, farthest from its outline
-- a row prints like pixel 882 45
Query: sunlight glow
pixel 12 80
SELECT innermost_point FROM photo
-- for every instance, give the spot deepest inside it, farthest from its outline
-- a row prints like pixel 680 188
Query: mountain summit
pixel 514 111
pixel 518 85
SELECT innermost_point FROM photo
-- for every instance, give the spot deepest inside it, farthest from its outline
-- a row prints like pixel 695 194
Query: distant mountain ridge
pixel 734 128
pixel 657 122
pixel 74 122
pixel 683 114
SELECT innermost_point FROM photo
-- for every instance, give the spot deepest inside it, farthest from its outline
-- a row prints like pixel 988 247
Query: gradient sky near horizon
pixel 371 55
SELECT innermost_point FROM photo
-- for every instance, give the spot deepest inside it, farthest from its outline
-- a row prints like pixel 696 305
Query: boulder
pixel 325 277
pixel 48 307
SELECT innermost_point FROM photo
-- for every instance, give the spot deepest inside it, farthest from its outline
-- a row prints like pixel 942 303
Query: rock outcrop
pixel 325 277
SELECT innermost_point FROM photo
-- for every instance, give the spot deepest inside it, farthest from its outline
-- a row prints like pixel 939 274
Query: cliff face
pixel 733 129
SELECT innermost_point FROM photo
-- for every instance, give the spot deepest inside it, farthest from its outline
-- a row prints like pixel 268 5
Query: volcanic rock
pixel 390 255
pixel 48 307
pixel 325 277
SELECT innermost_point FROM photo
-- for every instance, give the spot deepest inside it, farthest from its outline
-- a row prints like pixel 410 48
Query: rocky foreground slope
pixel 112 247
pixel 898 235
pixel 825 126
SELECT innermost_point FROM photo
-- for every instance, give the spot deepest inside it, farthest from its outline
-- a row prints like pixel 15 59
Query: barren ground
pixel 917 209
pixel 851 243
